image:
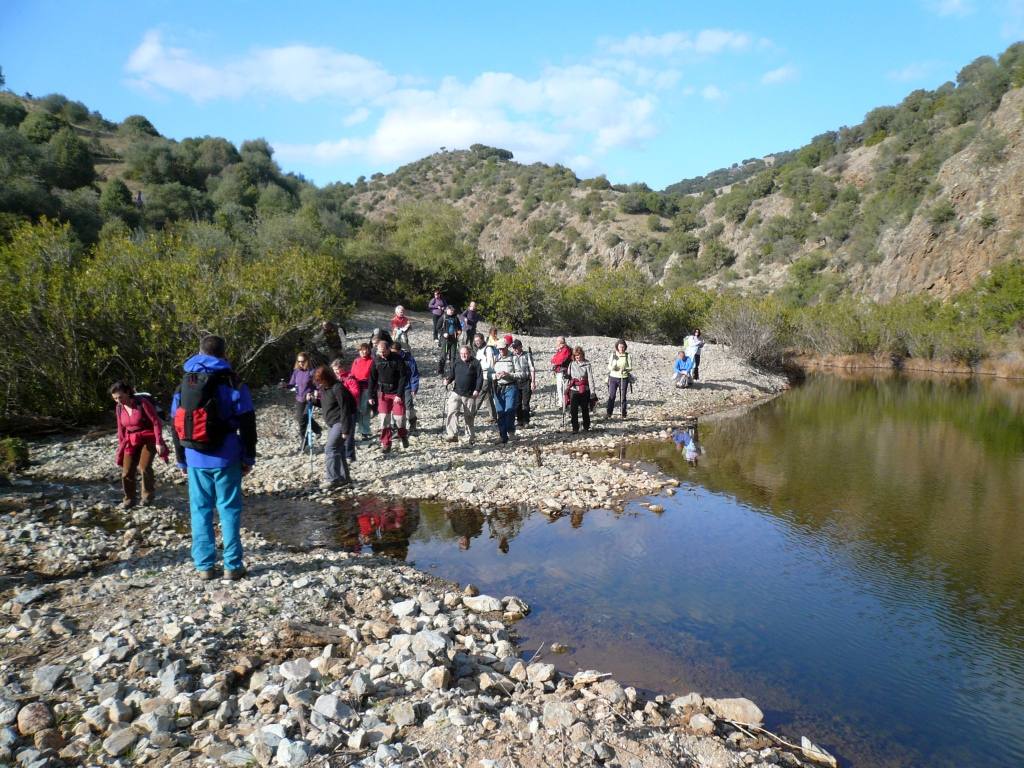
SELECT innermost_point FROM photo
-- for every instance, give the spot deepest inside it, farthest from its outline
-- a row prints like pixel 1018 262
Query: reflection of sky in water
pixel 821 574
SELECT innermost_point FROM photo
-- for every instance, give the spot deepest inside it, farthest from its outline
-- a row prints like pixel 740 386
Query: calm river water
pixel 850 556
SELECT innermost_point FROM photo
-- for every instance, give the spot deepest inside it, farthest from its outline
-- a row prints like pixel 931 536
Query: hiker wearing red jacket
pixel 360 371
pixel 139 439
pixel 560 364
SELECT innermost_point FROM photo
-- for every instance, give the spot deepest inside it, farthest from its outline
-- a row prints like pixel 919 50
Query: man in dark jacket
pixel 215 471
pixel 468 379
pixel 389 378
pixel 448 340
pixel 470 318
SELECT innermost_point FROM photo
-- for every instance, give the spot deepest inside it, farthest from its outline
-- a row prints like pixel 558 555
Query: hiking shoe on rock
pixel 126 504
pixel 234 575
pixel 405 442
pixel 207 575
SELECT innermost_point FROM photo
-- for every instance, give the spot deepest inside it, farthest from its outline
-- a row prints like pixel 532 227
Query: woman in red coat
pixel 140 439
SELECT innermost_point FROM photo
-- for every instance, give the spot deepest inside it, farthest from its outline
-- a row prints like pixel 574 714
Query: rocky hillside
pixel 922 197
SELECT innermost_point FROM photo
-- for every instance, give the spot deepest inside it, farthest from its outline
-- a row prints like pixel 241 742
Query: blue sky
pixel 654 92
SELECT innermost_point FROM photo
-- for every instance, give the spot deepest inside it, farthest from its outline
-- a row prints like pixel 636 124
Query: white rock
pixel 298 670
pixel 482 603
pixel 541 673
pixel 404 608
pixel 738 710
pixel 436 678
pixel 701 725
pixel 292 754
pixel 331 707
pixel 813 752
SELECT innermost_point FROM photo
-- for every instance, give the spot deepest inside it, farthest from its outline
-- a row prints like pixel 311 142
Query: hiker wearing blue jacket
pixel 215 445
pixel 413 387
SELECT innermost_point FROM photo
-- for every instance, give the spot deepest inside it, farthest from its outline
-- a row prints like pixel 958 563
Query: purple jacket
pixel 303 383
pixel 437 305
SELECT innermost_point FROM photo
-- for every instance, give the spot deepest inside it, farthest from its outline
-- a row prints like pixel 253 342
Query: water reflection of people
pixel 687 441
pixel 466 524
pixel 504 525
pixel 386 526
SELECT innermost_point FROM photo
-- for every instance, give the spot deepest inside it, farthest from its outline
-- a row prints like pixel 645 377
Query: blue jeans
pixel 505 399
pixel 216 489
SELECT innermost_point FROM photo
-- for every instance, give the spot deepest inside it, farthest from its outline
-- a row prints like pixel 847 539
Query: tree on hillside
pixel 71 164
pixel 39 126
pixel 116 202
pixel 12 111
pixel 138 125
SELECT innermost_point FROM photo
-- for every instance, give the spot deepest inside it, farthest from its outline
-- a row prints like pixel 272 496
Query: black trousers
pixel 437 326
pixel 578 401
pixel 523 406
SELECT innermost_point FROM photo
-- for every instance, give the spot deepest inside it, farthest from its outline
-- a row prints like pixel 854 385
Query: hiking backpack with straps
pixel 198 422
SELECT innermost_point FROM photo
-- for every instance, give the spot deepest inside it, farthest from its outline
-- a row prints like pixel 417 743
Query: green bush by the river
pixel 13 454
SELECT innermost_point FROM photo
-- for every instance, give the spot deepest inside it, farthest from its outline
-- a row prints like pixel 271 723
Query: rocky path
pixel 546 464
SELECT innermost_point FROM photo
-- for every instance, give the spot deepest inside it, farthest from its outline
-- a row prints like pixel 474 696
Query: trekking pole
pixel 309 434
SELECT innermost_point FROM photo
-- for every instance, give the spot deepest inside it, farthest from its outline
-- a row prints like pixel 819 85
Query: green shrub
pixel 13 454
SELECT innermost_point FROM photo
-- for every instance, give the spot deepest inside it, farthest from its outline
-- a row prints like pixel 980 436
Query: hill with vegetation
pixel 120 247
pixel 920 197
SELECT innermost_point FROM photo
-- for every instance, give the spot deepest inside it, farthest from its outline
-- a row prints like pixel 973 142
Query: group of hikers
pixel 214 424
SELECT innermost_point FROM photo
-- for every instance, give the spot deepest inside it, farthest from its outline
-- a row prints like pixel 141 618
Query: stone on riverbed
pixel 738 710
pixel 482 603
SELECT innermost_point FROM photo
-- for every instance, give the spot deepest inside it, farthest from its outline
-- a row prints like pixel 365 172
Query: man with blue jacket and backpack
pixel 215 445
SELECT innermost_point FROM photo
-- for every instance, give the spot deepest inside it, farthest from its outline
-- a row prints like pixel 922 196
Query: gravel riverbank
pixel 112 652
pixel 545 465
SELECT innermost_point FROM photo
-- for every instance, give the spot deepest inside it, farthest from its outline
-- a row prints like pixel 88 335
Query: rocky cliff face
pixel 988 223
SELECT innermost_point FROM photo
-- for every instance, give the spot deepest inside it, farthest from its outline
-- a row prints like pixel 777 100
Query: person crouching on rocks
pixel 579 390
pixel 339 408
pixel 388 380
pixel 140 439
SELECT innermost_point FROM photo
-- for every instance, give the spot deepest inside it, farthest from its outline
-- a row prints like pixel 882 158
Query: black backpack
pixel 198 423
pixel 161 412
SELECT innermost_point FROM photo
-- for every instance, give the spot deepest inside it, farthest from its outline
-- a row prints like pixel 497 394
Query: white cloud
pixel 912 73
pixel 780 75
pixel 951 7
pixel 562 113
pixel 706 41
pixel 712 93
pixel 297 72
pixel 545 118
pixel 356 117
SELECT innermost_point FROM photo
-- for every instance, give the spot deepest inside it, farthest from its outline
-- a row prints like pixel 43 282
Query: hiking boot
pixel 207 575
pixel 405 441
pixel 451 439
pixel 234 574
pixel 126 504
pixel 386 449
pixel 148 502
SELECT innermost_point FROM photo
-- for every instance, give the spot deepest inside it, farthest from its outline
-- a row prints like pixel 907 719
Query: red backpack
pixel 198 422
